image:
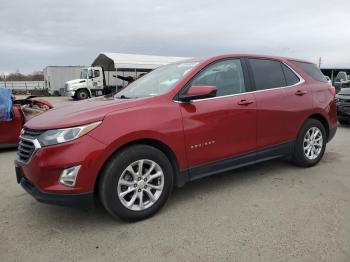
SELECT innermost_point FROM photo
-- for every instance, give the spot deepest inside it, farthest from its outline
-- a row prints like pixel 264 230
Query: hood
pixel 80 113
pixel 75 81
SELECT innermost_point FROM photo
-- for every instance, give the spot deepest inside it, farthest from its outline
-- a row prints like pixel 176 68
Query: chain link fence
pixel 25 87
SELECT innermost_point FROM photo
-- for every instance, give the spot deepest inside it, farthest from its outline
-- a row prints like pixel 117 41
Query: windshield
pixel 84 74
pixel 158 81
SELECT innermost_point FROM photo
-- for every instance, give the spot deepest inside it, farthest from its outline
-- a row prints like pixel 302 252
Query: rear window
pixel 267 73
pixel 312 70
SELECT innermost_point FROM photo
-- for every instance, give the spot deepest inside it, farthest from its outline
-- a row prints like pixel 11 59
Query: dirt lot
pixel 268 212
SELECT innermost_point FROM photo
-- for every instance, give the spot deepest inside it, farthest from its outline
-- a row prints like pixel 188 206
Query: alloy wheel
pixel 140 185
pixel 313 143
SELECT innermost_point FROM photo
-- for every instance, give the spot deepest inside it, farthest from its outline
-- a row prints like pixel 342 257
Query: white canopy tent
pixel 120 61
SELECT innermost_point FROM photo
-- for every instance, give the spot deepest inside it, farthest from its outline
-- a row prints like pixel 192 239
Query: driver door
pixel 224 126
pixel 98 78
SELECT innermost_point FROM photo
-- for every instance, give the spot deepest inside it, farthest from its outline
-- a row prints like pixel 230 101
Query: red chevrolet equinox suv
pixel 178 123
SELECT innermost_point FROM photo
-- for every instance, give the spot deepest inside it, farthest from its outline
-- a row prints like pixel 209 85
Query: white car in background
pixel 328 80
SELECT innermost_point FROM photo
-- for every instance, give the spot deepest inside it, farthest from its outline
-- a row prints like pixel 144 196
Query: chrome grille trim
pixel 28 145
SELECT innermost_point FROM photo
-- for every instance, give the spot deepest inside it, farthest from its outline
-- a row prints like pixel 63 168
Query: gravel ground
pixel 268 212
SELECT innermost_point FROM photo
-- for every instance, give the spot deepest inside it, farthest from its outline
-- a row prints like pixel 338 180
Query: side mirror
pixel 198 92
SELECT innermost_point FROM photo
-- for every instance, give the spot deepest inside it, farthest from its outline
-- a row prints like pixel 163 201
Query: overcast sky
pixel 38 33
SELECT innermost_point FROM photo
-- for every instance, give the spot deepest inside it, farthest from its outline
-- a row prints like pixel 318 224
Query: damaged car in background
pixel 15 112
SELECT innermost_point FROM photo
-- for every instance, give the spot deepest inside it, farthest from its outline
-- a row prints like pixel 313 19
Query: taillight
pixel 333 91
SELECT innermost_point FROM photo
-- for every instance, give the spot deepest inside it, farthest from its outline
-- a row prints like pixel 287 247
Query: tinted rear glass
pixel 291 78
pixel 267 73
pixel 312 70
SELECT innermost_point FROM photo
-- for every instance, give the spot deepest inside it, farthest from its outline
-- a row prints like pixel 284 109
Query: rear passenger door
pixel 269 81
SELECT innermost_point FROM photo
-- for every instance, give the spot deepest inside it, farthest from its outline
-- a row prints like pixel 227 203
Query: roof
pixel 112 61
pixel 80 66
pixel 264 56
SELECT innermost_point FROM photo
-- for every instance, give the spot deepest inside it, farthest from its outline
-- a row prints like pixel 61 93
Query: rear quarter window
pixel 312 70
pixel 291 78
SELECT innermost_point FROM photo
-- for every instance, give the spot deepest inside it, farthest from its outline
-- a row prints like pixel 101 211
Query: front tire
pixel 311 144
pixel 136 182
pixel 82 94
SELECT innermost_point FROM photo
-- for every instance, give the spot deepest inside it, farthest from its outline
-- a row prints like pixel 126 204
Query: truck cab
pixel 90 83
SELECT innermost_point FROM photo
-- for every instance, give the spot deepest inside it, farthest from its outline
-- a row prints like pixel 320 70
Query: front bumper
pixel 40 175
pixel 83 200
pixel 69 93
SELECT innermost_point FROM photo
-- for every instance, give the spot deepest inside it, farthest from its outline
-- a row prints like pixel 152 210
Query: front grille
pixel 26 149
pixel 26 146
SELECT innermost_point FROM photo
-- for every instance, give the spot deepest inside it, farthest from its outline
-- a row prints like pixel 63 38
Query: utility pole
pixel 4 78
pixel 319 62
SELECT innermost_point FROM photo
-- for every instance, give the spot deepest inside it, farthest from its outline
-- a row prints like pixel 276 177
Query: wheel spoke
pixel 317 132
pixel 150 195
pixel 123 194
pixel 307 147
pixel 309 151
pixel 318 138
pixel 141 204
pixel 154 187
pixel 156 175
pixel 132 172
pixel 126 183
pixel 140 166
pixel 132 200
pixel 149 171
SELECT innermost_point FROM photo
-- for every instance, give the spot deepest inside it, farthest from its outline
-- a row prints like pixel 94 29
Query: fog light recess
pixel 69 175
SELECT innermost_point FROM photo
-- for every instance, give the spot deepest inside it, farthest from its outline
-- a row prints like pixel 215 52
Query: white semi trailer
pixel 111 72
pixel 55 77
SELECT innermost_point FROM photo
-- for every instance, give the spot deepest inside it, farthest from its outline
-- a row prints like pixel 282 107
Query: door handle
pixel 245 102
pixel 301 92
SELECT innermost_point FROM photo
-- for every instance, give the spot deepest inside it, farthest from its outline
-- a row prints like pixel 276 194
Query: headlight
pixel 58 136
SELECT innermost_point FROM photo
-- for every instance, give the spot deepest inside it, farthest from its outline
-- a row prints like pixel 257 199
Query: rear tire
pixel 82 94
pixel 311 144
pixel 149 186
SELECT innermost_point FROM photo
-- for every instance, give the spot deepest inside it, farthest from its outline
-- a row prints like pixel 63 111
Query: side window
pixel 90 74
pixel 291 78
pixel 226 75
pixel 96 73
pixel 312 70
pixel 267 73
